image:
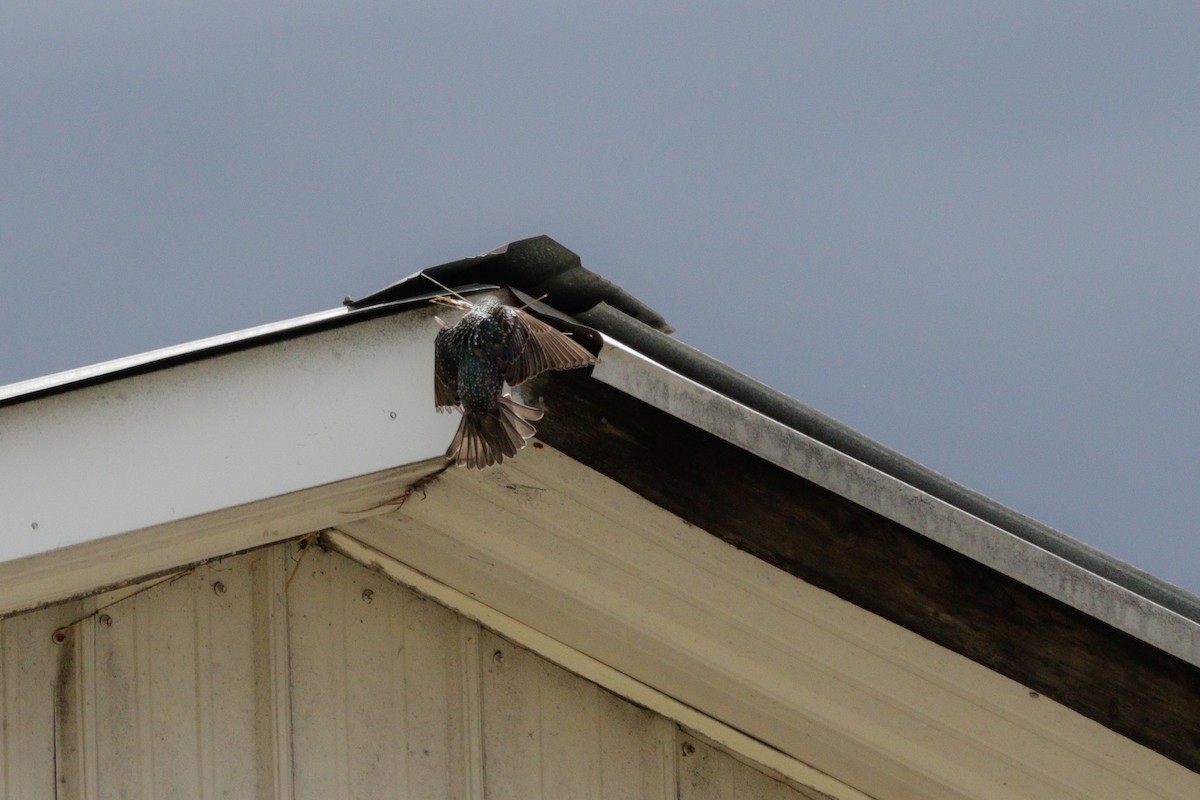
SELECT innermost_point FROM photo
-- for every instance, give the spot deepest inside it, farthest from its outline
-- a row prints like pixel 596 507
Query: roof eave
pixel 623 368
pixel 105 461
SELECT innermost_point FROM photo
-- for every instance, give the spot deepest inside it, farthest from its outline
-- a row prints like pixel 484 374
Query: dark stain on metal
pixel 305 544
pixel 65 714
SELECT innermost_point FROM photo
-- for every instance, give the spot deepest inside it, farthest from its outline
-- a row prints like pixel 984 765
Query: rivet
pixel 688 749
pixel 106 620
pixel 219 588
pixel 368 595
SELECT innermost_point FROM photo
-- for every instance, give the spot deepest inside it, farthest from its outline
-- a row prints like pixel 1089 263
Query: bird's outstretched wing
pixel 445 371
pixel 532 347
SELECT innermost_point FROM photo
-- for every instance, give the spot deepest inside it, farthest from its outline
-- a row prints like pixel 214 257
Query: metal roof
pixel 540 266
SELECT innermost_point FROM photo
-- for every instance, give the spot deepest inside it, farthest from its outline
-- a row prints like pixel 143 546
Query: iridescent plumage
pixel 491 345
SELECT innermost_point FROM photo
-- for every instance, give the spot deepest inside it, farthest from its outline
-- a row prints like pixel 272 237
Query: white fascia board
pixel 143 451
pixel 681 397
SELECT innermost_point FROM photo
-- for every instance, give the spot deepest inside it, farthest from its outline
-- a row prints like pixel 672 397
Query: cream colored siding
pixel 29 662
pixel 216 683
pixel 176 667
pixel 585 742
pixel 706 773
pixel 863 703
pixel 381 692
pixel 172 688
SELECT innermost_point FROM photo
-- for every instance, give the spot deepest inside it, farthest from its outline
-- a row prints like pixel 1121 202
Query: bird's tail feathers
pixel 484 439
pixel 522 411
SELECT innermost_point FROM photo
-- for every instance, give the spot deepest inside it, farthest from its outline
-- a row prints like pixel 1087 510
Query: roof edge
pixel 723 379
pixel 541 266
pixel 890 496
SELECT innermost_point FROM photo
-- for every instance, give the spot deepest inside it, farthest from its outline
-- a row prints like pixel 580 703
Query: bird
pixel 494 344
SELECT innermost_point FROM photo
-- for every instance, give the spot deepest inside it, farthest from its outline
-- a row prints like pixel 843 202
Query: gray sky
pixel 973 235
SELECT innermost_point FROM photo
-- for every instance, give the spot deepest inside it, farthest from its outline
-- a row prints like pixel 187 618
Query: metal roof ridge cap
pixel 632 372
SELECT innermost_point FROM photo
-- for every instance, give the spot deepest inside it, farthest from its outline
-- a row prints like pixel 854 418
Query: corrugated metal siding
pixel 170 687
pixel 381 690
pixel 29 664
pixel 218 684
pixel 706 773
pixel 550 734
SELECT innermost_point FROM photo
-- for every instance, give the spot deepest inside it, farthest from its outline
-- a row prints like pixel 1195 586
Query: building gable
pixel 295 672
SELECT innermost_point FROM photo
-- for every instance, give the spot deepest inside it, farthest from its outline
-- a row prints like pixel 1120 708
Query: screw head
pixel 59 636
pixel 368 595
pixel 106 620
pixel 688 749
pixel 498 658
pixel 219 588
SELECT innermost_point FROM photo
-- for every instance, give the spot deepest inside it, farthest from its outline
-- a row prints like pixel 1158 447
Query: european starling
pixel 491 345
